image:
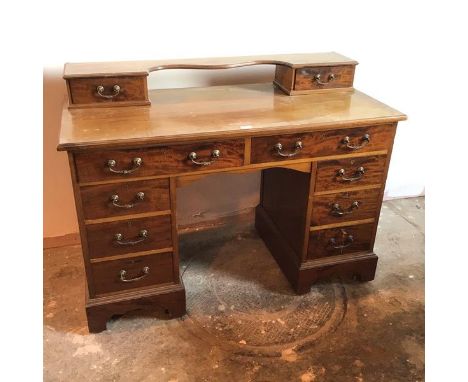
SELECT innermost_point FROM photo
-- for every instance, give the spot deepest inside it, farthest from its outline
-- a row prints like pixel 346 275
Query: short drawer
pixel 163 160
pixel 340 241
pixel 108 91
pixel 322 143
pixel 324 77
pixel 345 206
pixel 125 198
pixel 350 172
pixel 136 272
pixel 126 236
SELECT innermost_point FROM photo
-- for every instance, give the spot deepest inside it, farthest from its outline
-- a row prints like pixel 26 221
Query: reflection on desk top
pixel 217 112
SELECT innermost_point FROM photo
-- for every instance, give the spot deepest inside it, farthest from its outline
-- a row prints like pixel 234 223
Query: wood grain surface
pixel 181 115
pixel 327 178
pixel 162 160
pixel 323 212
pixel 320 245
pixel 323 143
pixel 97 201
pixel 344 76
pixel 101 237
pixel 107 274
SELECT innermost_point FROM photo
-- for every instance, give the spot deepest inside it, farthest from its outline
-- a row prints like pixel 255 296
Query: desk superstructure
pixel 323 149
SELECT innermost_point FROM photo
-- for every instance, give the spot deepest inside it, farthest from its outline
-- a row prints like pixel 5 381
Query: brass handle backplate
pixel 279 149
pixel 123 275
pixel 215 154
pixel 336 209
pixel 111 163
pixel 138 197
pixel 346 240
pixel 100 92
pixel 142 236
pixel 365 139
pixel 358 174
pixel 318 79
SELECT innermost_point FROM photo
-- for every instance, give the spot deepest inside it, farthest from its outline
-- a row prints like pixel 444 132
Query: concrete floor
pixel 246 325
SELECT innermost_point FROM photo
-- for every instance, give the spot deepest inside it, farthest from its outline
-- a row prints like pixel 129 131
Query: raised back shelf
pixel 125 83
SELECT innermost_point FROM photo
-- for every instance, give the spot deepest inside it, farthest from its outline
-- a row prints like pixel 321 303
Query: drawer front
pixel 127 198
pixel 345 206
pixel 325 77
pixel 120 164
pixel 322 143
pixel 103 239
pixel 352 172
pixel 103 90
pixel 340 241
pixel 138 272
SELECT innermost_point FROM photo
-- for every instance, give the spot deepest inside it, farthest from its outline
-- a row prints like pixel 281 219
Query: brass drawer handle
pixel 365 139
pixel 123 275
pixel 142 236
pixel 318 79
pixel 279 149
pixel 138 197
pixel 111 163
pixel 215 154
pixel 346 241
pixel 359 173
pixel 100 91
pixel 336 209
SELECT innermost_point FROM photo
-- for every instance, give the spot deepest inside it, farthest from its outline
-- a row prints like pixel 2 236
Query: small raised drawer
pixel 322 143
pixel 108 91
pixel 324 77
pixel 127 236
pixel 340 241
pixel 345 206
pixel 136 272
pixel 163 160
pixel 350 172
pixel 119 199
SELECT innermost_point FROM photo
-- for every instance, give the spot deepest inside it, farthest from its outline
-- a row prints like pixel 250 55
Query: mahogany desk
pixel 323 149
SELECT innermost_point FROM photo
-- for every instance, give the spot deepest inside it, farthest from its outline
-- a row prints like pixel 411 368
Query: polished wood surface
pixel 162 160
pixel 328 178
pixel 323 211
pixel 322 143
pixel 97 202
pixel 97 69
pixel 102 243
pixel 179 115
pixel 320 244
pixel 107 274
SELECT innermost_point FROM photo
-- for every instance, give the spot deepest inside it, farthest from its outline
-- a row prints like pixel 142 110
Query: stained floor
pixel 244 323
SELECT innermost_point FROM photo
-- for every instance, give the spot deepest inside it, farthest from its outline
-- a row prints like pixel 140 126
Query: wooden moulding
pixel 85 79
pixel 171 299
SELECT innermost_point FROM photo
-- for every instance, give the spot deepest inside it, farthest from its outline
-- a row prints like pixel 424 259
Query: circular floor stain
pixel 237 296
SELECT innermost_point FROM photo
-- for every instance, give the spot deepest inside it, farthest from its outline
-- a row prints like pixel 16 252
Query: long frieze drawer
pixel 345 206
pixel 325 77
pixel 117 199
pixel 163 160
pixel 136 272
pixel 350 172
pixel 322 143
pixel 126 236
pixel 340 241
pixel 108 91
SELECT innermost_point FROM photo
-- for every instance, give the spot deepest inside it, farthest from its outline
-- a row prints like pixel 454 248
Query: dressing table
pixel 323 149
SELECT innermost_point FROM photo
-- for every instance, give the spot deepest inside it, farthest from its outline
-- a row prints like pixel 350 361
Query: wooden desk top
pixel 217 112
pixel 133 68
